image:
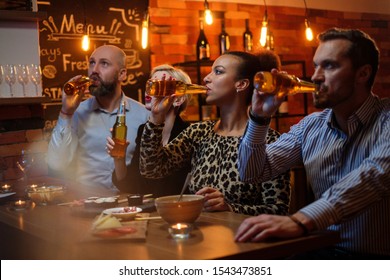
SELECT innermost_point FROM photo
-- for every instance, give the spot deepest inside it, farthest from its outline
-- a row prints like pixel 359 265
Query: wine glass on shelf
pixel 34 71
pixel 22 76
pixel 10 76
pixel 24 163
pixel 1 74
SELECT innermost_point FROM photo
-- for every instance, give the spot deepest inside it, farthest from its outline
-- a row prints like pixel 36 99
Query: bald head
pixel 112 53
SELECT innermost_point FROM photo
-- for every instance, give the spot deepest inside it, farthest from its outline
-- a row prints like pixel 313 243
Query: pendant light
pixel 264 27
pixel 145 30
pixel 208 16
pixel 308 31
pixel 85 41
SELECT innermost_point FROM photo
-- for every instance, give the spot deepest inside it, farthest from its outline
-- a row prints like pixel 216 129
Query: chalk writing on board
pixel 109 22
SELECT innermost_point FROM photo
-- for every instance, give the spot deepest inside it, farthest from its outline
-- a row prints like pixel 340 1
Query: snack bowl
pixel 43 195
pixel 187 210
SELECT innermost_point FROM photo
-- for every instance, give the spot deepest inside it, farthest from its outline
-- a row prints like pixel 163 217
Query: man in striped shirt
pixel 345 150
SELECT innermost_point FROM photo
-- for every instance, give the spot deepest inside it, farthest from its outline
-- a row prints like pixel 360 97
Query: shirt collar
pixel 362 115
pixel 366 111
pixel 95 105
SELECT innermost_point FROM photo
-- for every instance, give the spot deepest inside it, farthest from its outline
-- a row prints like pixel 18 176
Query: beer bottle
pixel 119 132
pixel 74 87
pixel 281 84
pixel 168 87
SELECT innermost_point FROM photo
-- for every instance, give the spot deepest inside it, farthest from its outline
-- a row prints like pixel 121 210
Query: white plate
pixel 120 212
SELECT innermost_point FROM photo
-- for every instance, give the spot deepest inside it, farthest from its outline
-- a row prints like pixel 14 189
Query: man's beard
pixel 104 89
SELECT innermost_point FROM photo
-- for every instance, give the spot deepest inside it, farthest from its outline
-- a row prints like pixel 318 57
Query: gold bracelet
pixel 300 224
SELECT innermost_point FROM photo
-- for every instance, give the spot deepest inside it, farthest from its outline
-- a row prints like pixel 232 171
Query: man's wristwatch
pixel 259 120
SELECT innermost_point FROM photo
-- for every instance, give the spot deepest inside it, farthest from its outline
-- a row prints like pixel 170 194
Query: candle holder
pixel 6 188
pixel 20 204
pixel 180 230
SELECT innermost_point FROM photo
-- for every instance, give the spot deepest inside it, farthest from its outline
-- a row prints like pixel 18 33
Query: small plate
pixel 123 212
pixel 6 194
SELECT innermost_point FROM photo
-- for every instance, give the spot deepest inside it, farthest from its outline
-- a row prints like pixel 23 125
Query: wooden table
pixel 52 232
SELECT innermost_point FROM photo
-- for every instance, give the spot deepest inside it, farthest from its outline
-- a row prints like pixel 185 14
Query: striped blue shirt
pixel 349 174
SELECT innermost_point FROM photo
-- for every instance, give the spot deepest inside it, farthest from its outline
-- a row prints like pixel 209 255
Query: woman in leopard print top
pixel 211 146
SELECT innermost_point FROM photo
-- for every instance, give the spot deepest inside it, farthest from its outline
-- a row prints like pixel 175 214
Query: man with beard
pixel 76 150
pixel 345 150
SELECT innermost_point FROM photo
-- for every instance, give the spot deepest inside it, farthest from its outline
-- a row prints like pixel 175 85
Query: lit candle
pixel 20 204
pixel 180 230
pixel 5 188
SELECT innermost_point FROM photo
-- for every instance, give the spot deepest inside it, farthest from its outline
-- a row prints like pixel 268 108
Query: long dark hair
pixel 253 63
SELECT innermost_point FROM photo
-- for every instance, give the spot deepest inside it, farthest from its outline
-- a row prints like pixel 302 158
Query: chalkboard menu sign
pixel 110 22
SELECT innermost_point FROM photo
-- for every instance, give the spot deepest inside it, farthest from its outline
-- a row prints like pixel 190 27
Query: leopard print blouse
pixel 213 163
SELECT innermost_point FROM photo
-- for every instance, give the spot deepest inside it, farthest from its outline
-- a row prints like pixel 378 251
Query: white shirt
pixel 77 146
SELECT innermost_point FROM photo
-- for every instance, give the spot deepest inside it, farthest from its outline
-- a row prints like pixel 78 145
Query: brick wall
pixel 175 29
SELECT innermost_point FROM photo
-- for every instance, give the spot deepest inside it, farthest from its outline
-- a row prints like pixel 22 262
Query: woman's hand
pixel 160 106
pixel 119 162
pixel 110 146
pixel 213 200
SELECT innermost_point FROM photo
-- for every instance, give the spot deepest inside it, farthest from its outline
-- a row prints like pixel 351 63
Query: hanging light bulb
pixel 208 16
pixel 308 31
pixel 264 28
pixel 85 39
pixel 85 42
pixel 145 31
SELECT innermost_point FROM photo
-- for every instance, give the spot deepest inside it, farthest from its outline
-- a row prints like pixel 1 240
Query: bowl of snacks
pixel 43 195
pixel 187 210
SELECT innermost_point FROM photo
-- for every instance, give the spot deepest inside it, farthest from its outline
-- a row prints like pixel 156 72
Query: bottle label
pixel 248 43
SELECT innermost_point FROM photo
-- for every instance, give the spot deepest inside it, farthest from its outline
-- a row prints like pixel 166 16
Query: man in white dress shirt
pixel 77 147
